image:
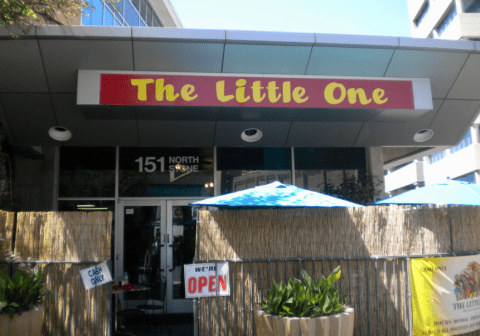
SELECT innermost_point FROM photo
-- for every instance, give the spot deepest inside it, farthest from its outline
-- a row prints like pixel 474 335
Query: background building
pixel 408 168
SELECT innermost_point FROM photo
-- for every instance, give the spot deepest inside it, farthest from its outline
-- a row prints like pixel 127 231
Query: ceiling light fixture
pixel 423 135
pixel 251 135
pixel 59 133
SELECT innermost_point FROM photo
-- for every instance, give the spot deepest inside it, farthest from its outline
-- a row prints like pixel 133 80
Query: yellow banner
pixel 445 295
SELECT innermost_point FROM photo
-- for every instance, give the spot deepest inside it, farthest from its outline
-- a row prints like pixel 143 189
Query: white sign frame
pixel 200 280
pixel 95 276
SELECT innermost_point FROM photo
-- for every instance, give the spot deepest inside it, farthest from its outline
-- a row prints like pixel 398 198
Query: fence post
pixel 409 296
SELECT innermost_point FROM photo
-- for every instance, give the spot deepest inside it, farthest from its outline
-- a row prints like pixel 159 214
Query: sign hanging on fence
pixel 201 280
pixel 95 276
pixel 445 295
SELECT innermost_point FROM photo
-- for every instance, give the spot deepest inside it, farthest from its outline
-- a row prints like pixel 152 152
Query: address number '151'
pixel 150 164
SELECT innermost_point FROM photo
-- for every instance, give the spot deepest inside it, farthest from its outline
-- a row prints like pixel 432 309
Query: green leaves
pixel 20 293
pixel 308 298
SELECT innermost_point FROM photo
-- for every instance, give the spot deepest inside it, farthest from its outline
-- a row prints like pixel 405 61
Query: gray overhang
pixel 39 71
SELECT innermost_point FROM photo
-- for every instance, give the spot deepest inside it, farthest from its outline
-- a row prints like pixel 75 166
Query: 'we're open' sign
pixel 209 279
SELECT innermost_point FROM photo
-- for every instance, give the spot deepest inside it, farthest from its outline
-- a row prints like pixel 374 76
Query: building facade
pixel 144 120
pixel 415 167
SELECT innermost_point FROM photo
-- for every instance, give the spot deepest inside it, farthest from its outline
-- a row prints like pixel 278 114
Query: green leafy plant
pixel 20 293
pixel 309 298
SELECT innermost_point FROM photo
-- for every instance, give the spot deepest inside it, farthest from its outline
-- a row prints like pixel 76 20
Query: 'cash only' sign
pixel 95 276
pixel 201 280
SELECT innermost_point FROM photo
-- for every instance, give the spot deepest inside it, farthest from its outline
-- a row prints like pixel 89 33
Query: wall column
pixel 375 170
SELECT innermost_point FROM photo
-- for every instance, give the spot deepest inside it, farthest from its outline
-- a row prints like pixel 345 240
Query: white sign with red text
pixel 201 280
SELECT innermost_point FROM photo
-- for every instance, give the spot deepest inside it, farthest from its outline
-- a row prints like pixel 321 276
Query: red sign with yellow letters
pixel 179 90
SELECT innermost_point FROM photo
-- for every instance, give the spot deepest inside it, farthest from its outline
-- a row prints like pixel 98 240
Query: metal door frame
pixel 166 204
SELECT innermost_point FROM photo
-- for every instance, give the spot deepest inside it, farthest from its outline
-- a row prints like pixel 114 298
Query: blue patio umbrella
pixel 447 193
pixel 276 194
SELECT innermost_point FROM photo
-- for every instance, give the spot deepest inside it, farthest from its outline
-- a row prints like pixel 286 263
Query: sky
pixel 358 17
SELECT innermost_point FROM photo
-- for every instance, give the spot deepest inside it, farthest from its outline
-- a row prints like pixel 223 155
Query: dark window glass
pixel 165 172
pixel 447 20
pixel 465 142
pixel 108 17
pixel 422 15
pixel 136 4
pixel 149 16
pixel 143 9
pixel 437 156
pixel 131 15
pixel 330 158
pixel 97 13
pixel 470 178
pixel 319 169
pixel 474 7
pixel 87 172
pixel 242 168
pixel 156 22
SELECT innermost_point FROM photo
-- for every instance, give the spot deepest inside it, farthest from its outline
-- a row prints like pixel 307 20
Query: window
pixel 87 172
pixel 422 15
pixel 447 20
pixel 470 178
pixel 243 168
pixel 474 7
pixel 165 172
pixel 149 15
pixel 437 156
pixel 131 15
pixel 465 142
pixel 156 22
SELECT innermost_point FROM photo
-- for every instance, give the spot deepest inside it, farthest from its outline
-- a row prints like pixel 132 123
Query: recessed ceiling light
pixel 59 133
pixel 423 135
pixel 251 135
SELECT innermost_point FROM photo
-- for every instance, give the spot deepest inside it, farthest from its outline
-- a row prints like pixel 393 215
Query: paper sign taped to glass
pixel 445 295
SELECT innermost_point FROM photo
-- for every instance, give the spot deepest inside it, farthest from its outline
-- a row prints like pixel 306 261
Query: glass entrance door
pixel 154 239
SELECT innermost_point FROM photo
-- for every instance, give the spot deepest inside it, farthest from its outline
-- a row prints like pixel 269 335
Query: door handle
pixel 173 258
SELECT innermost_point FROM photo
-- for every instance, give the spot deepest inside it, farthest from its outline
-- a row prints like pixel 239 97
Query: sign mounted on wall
pixel 201 280
pixel 177 89
pixel 445 295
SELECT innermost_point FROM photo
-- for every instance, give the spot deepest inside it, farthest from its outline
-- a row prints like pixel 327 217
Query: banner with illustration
pixel 445 295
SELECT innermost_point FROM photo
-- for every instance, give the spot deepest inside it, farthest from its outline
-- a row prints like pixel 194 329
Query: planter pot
pixel 29 323
pixel 331 325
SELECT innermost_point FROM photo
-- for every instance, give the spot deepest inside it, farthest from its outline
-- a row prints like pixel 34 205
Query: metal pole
pixel 387 296
pixel 377 296
pixel 251 295
pixel 368 294
pixel 409 302
pixel 216 299
pixel 242 284
pixel 349 280
pixel 359 296
pixel 234 307
pixel 451 235
pixel 395 296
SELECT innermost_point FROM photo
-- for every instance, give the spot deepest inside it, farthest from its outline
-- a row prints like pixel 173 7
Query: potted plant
pixel 21 310
pixel 311 307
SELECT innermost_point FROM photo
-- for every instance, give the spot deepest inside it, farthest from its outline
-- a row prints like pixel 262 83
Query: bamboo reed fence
pixel 70 241
pixel 318 240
